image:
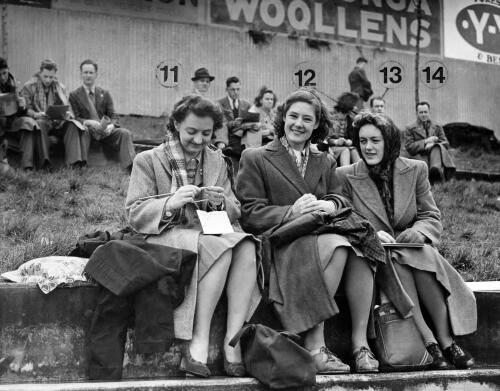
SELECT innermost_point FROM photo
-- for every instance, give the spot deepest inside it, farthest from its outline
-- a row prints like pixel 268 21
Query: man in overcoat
pixel 425 140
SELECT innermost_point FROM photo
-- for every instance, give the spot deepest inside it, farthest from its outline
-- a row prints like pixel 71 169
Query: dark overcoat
pixel 267 186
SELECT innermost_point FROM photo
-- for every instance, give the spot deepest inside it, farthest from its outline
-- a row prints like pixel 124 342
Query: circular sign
pixel 433 74
pixel 305 75
pixel 168 73
pixel 391 74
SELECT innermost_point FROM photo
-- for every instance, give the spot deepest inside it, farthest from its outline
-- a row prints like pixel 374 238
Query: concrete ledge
pixel 467 380
pixel 46 335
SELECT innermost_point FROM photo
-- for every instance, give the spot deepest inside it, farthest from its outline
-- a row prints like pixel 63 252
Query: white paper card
pixel 215 223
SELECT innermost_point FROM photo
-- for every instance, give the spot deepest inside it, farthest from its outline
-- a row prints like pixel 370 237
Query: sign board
pixel 385 23
pixel 472 30
pixel 180 11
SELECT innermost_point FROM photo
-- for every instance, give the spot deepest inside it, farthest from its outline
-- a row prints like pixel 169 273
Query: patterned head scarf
pixel 381 173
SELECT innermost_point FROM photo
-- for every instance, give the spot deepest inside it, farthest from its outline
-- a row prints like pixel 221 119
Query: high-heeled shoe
pixel 234 369
pixel 192 366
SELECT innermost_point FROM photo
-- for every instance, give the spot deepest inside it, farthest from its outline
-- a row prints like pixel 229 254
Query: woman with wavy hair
pixel 281 182
pixel 167 185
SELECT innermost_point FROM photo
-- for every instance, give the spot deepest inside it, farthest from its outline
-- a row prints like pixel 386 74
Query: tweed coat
pixel 152 175
pixel 267 186
pixel 414 137
pixel 414 207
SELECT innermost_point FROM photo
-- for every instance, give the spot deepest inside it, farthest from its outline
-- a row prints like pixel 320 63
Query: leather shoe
pixel 193 367
pixel 460 358
pixel 234 369
pixel 365 361
pixel 438 360
pixel 327 363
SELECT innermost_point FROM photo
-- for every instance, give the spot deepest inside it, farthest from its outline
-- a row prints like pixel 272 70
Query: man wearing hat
pixel 359 82
pixel 201 81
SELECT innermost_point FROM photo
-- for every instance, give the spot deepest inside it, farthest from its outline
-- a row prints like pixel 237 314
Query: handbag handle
pixel 245 329
pixel 240 334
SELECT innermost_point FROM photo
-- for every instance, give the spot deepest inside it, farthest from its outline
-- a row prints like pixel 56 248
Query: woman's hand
pixel 410 236
pixel 182 196
pixel 320 206
pixel 385 237
pixel 348 142
pixel 39 114
pixel 299 206
pixel 214 194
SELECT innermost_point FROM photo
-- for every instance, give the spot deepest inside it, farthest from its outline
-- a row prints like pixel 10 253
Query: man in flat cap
pixel 201 81
pixel 359 82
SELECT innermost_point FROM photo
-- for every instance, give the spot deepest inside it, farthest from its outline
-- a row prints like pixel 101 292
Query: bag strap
pixel 245 329
pixel 292 336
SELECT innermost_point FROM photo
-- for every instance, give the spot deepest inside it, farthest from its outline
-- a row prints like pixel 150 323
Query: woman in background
pixel 264 104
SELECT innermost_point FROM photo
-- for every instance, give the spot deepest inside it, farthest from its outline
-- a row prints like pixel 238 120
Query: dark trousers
pixel 152 308
pixel 435 158
pixel 121 140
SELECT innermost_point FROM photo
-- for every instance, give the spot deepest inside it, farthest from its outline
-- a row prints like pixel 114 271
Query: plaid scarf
pixel 40 101
pixel 300 162
pixel 175 155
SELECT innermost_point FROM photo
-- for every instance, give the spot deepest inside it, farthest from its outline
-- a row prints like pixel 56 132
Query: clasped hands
pixel 309 203
pixel 96 126
pixel 407 236
pixel 186 194
pixel 429 142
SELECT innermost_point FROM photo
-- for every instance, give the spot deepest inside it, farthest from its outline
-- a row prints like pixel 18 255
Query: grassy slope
pixel 44 213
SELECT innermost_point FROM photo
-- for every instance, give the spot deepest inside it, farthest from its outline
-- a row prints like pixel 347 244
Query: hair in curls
pixel 197 105
pixel 390 133
pixel 307 95
pixel 264 90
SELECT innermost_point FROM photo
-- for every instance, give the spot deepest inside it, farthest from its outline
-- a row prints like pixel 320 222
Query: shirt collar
pixel 87 89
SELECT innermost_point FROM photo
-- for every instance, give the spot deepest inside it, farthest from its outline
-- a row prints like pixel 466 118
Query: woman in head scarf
pixel 394 194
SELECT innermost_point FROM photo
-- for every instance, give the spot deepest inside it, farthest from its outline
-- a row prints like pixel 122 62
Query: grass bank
pixel 43 214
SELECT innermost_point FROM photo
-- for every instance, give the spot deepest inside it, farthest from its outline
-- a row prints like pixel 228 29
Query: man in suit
pixel 93 106
pixel 425 140
pixel 359 82
pixel 233 108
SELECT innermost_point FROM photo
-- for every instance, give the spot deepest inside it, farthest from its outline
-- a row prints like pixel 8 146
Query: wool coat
pixel 152 175
pixel 414 208
pixel 268 184
pixel 414 137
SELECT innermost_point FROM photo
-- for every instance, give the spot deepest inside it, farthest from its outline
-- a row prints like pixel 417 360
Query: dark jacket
pixel 140 278
pixel 103 105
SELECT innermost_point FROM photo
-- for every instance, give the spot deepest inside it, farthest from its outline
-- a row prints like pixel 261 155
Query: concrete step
pixel 46 335
pixel 486 379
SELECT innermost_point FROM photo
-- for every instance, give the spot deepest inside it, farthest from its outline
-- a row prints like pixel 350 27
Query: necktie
pixel 235 109
pixel 92 97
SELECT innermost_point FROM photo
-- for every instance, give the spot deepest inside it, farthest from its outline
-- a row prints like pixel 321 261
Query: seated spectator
pixel 264 104
pixel 168 185
pixel 201 81
pixel 339 139
pixel 425 140
pixel 93 106
pixel 233 108
pixel 43 91
pixel 401 209
pixel 8 85
pixel 377 106
pixel 287 180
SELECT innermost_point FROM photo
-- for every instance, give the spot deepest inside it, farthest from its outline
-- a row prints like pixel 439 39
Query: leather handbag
pixel 398 343
pixel 274 358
